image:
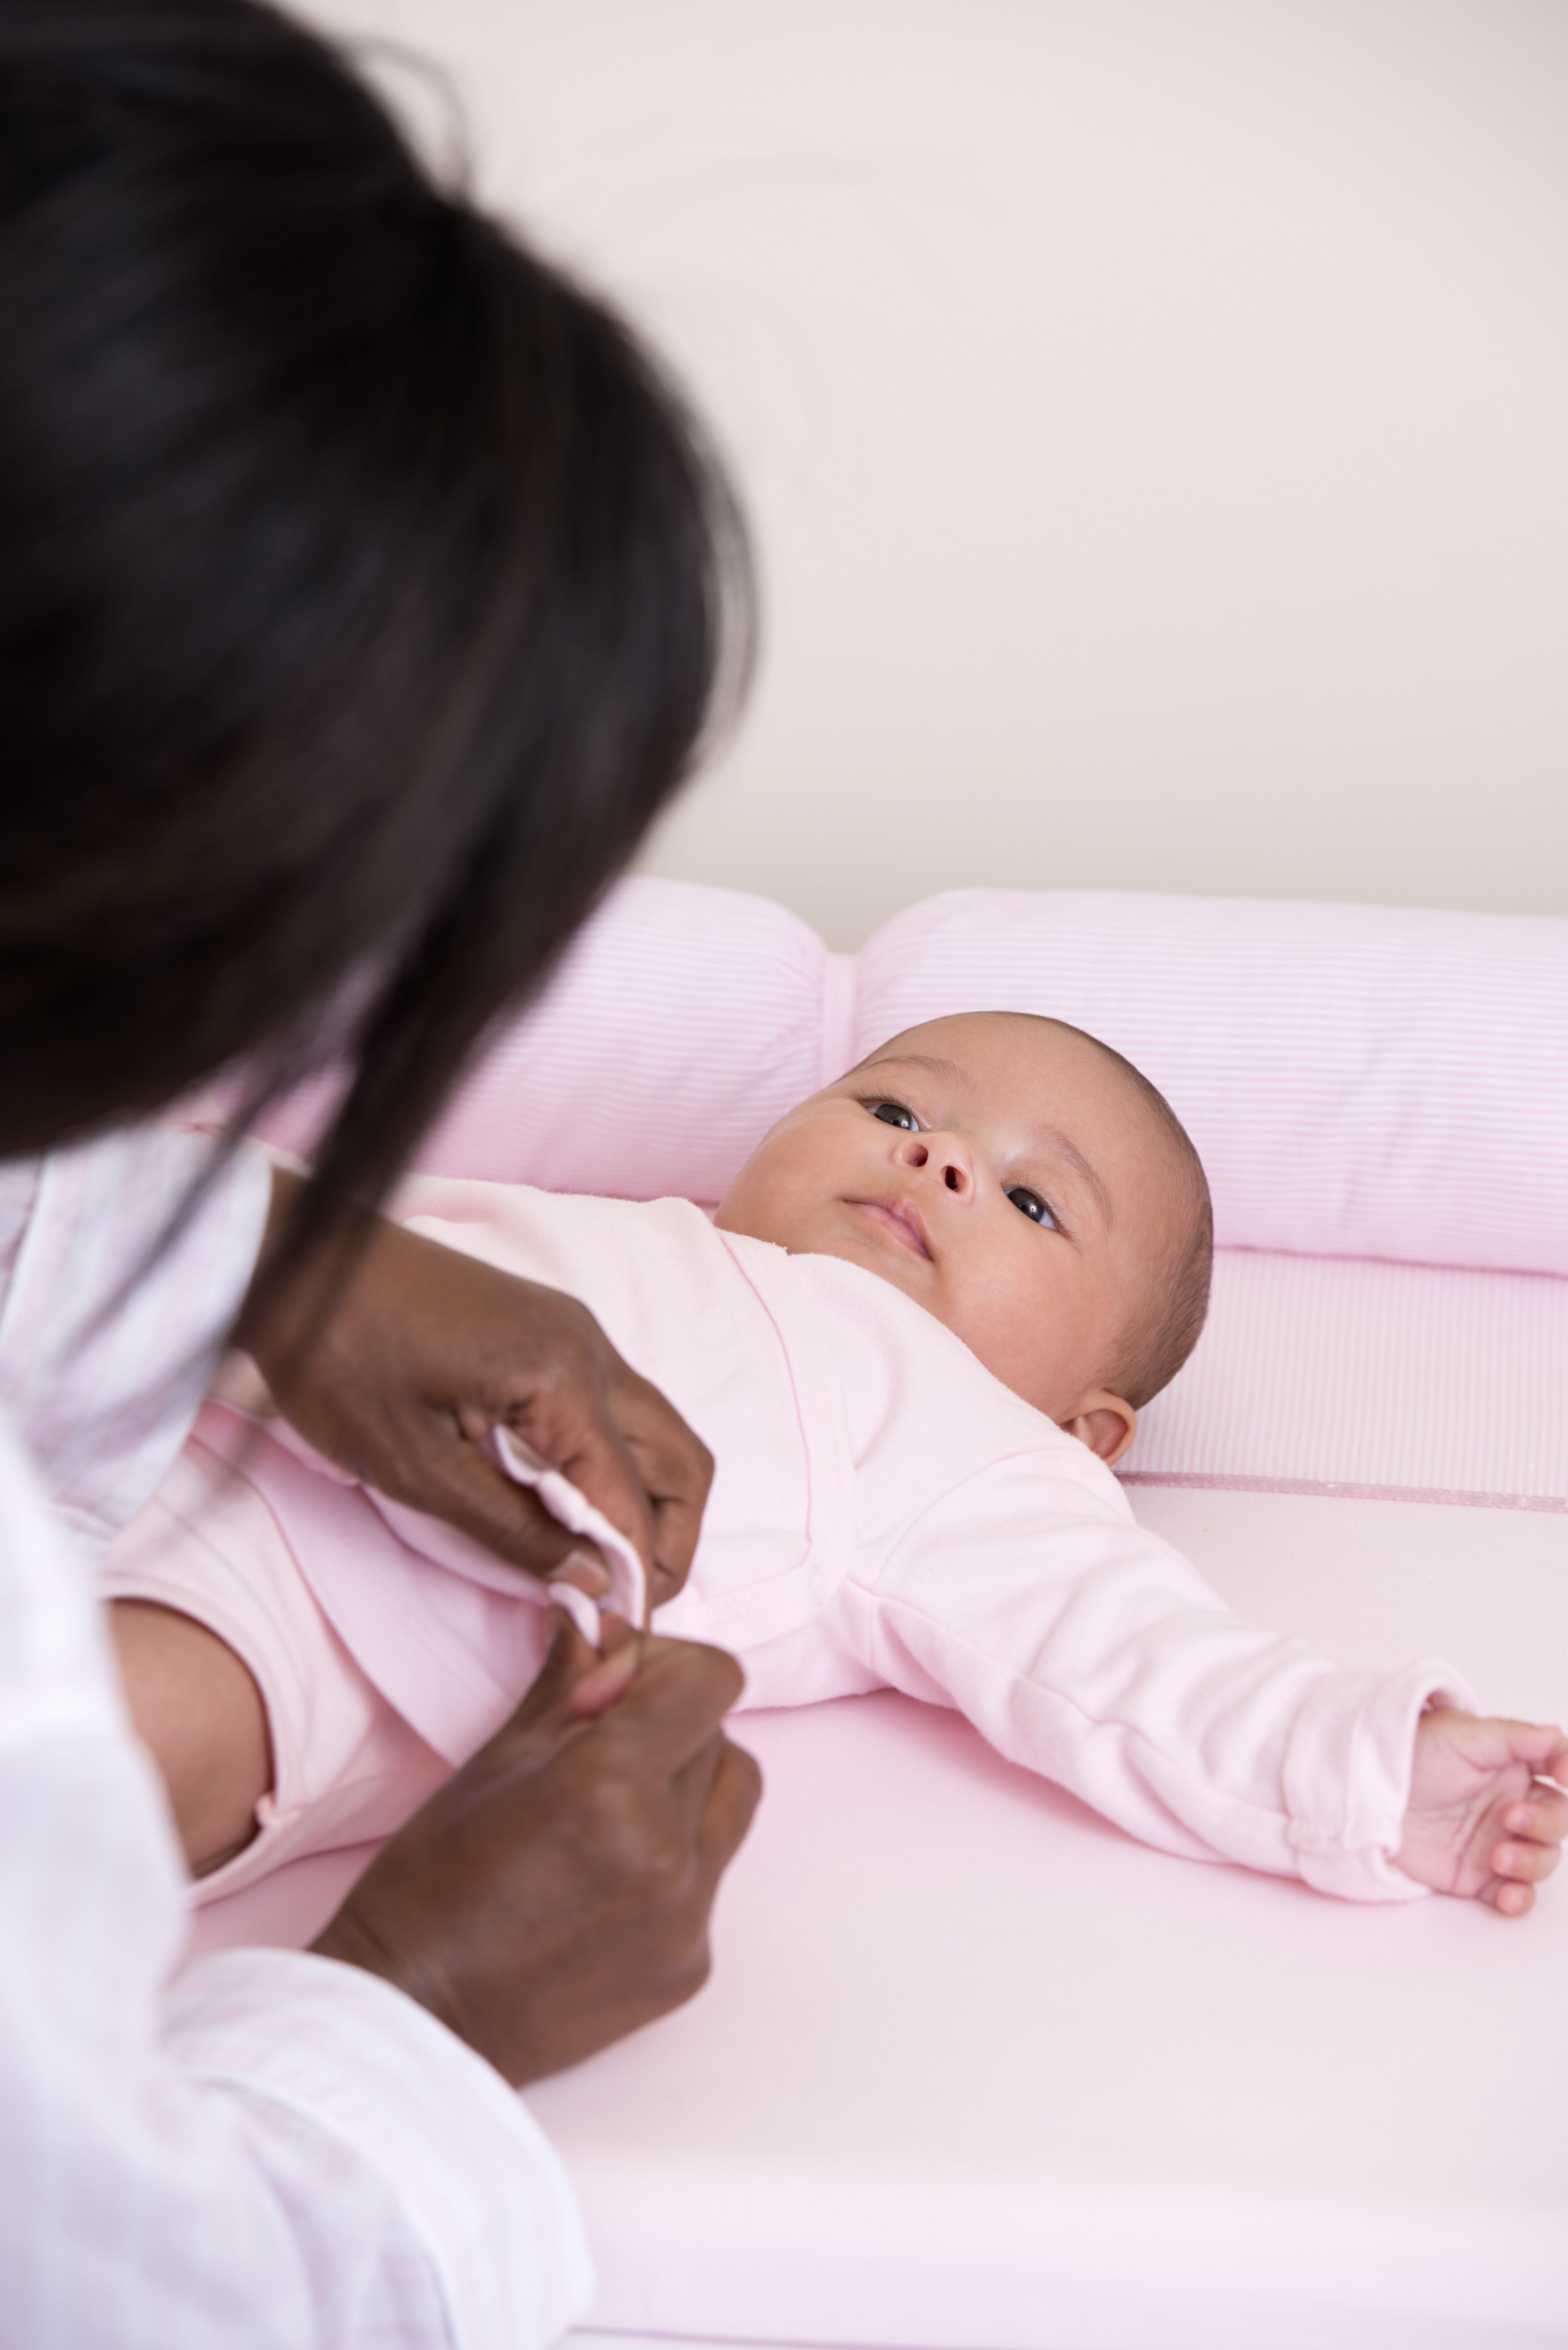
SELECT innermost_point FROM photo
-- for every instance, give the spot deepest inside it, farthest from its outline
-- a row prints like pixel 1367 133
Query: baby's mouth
pixel 896 1219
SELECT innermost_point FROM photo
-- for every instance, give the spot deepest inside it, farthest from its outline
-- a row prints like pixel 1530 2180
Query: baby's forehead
pixel 1021 1063
pixel 984 1049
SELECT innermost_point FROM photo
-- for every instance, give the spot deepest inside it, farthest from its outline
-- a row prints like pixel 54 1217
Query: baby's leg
pixel 197 1710
pixel 272 1743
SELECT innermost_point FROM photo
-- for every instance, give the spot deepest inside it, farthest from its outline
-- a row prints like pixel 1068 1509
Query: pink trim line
pixel 1555 1503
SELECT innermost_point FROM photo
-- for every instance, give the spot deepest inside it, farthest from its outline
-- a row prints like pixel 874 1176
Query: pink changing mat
pixel 974 2071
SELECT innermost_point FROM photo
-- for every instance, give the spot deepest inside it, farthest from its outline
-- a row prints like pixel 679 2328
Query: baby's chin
pixel 808 1238
pixel 827 1231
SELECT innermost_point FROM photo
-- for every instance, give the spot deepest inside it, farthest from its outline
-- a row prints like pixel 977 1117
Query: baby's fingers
pixel 1529 1863
pixel 1542 1816
pixel 1539 1744
pixel 1518 1867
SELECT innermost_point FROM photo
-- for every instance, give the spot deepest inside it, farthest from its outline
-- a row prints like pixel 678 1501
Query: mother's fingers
pixel 734 1791
pixel 676 1468
pixel 451 1479
pixel 715 1797
pixel 549 1708
pixel 652 1703
pixel 681 1693
pixel 577 1438
pixel 611 1678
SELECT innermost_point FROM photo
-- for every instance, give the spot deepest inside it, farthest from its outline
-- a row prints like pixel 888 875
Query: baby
pixel 916 1339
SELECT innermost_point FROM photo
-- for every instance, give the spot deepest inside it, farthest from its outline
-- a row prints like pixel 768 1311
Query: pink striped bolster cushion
pixel 1383 1381
pixel 681 1023
pixel 1361 1081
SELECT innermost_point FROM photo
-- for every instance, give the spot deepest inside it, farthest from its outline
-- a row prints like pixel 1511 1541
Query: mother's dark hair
pixel 362 588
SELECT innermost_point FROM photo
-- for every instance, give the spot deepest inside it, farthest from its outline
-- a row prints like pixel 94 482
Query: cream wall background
pixel 1151 415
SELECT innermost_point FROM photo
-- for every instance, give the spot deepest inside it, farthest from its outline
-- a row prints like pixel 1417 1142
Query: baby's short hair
pixel 1164 1328
pixel 1167 1324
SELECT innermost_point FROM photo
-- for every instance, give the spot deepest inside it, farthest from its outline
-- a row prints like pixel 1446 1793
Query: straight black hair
pixel 363 589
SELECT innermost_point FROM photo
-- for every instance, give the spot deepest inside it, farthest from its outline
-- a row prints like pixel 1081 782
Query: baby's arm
pixel 1086 1648
pixel 1480 1823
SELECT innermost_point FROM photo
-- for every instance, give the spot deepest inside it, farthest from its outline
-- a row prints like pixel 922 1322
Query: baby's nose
pixel 944 1155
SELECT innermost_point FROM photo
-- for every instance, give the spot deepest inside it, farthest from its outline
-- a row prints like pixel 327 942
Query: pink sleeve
pixel 1085 1648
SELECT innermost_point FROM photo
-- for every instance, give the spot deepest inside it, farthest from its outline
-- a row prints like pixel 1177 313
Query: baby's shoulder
pixel 926 1417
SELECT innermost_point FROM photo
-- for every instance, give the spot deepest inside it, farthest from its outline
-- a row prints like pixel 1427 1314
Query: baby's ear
pixel 1105 1424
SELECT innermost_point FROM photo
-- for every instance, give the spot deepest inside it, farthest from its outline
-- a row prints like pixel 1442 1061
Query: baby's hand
pixel 1479 1824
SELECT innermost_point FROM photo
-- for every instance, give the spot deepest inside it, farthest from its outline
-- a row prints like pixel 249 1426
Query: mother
pixel 361 594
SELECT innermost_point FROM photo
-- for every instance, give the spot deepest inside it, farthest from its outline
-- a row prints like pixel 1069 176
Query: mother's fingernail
pixel 587 1571
pixel 598 1691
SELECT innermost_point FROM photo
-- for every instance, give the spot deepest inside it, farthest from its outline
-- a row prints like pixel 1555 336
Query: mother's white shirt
pixel 267 2148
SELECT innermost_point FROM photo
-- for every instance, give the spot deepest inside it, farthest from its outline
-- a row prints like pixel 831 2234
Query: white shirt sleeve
pixel 1087 1648
pixel 122 1263
pixel 276 2150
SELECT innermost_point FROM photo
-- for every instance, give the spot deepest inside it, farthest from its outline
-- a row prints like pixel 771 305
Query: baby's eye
pixel 1030 1204
pixel 895 1114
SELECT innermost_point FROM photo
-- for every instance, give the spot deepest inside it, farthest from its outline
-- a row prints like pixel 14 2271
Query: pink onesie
pixel 884 1513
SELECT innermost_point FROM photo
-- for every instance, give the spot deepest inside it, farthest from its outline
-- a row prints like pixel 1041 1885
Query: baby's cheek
pixel 1053 1343
pixel 764 1202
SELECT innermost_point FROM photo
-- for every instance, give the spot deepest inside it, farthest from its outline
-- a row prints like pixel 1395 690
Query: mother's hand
pixel 423 1351
pixel 556 1893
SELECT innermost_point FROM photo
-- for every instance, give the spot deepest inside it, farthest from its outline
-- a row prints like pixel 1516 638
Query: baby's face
pixel 1005 1175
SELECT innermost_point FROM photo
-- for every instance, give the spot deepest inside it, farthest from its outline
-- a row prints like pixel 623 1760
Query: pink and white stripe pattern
pixel 1377 1381
pixel 1361 1081
pixel 680 1024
